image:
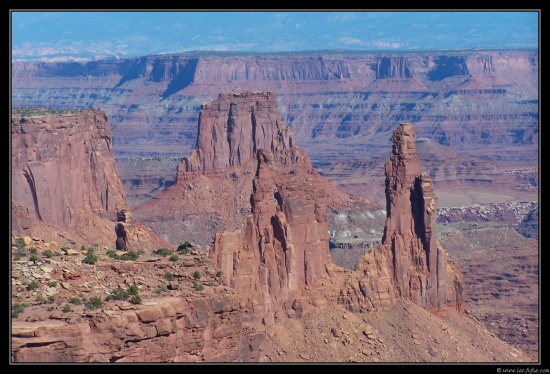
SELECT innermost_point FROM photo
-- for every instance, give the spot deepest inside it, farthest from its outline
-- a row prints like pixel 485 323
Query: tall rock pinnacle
pixel 410 263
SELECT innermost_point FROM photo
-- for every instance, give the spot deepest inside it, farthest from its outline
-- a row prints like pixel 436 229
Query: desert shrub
pixel 198 286
pixel 91 258
pixel 169 276
pixel 160 288
pixel 197 275
pixel 210 284
pixel 83 248
pixel 136 299
pixel 174 257
pixel 33 250
pixel 75 300
pixel 34 258
pixel 95 302
pixel 133 289
pixel 20 242
pixel 113 254
pixel 65 249
pixel 42 300
pixel 67 308
pixel 52 284
pixel 130 256
pixel 17 308
pixel 57 253
pixel 50 308
pixel 33 285
pixel 184 248
pixel 162 252
pixel 48 253
pixel 141 252
pixel 51 298
pixel 17 257
pixel 118 294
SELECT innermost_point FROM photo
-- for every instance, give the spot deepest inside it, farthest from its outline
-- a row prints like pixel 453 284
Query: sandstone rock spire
pixel 410 263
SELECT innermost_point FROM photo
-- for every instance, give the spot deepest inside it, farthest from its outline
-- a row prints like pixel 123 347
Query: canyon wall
pixel 462 99
pixel 64 181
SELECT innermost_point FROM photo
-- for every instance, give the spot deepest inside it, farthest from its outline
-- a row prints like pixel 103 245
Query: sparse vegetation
pixel 34 258
pixel 65 249
pixel 91 258
pixel 17 308
pixel 118 294
pixel 169 276
pixel 174 257
pixel 160 288
pixel 52 284
pixel 67 308
pixel 133 289
pixel 162 252
pixel 197 275
pixel 94 303
pixel 198 286
pixel 130 256
pixel 136 299
pixel 48 253
pixel 32 111
pixel 51 298
pixel 20 242
pixel 210 284
pixel 42 300
pixel 75 300
pixel 33 285
pixel 33 250
pixel 184 248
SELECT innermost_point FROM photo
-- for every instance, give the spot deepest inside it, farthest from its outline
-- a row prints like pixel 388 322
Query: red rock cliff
pixel 231 130
pixel 410 263
pixel 63 167
pixel 280 260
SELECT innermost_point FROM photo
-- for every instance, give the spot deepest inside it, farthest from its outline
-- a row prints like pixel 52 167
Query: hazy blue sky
pixel 48 35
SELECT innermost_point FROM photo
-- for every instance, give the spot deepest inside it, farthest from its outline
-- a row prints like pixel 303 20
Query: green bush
pixel 17 308
pixel 51 298
pixel 42 300
pixel 133 290
pixel 174 257
pixel 17 257
pixel 50 308
pixel 197 275
pixel 162 252
pixel 65 249
pixel 113 254
pixel 20 243
pixel 160 288
pixel 184 248
pixel 83 248
pixel 94 303
pixel 118 294
pixel 57 254
pixel 136 299
pixel 48 253
pixel 169 277
pixel 52 284
pixel 130 256
pixel 67 308
pixel 91 258
pixel 210 284
pixel 198 286
pixel 34 258
pixel 75 301
pixel 33 285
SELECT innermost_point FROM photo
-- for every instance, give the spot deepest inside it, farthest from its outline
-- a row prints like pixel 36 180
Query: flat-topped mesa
pixel 410 263
pixel 231 130
pixel 279 262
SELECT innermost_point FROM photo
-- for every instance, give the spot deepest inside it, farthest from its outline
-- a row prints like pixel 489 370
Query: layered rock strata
pixel 410 263
pixel 233 128
pixel 65 184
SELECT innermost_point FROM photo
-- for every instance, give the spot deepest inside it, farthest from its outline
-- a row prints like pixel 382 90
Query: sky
pixel 84 35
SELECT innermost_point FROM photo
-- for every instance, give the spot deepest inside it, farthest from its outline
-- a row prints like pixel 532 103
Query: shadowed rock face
pixel 410 263
pixel 284 249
